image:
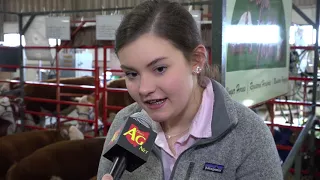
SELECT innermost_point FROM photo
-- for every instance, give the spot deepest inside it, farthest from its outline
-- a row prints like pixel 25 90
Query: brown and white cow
pixel 7 121
pixel 50 92
pixel 118 99
pixel 4 87
pixel 9 116
pixel 17 146
pixel 64 160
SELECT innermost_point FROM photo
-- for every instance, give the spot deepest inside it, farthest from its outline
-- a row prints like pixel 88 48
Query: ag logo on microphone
pixel 137 137
pixel 132 140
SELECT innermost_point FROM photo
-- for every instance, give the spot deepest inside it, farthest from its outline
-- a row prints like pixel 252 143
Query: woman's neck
pixel 183 121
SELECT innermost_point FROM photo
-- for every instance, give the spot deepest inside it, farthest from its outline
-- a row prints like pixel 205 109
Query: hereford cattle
pixel 11 85
pixel 119 99
pixel 49 92
pixel 65 160
pixel 17 146
pixel 9 116
pixel 4 87
pixel 7 121
pixel 85 112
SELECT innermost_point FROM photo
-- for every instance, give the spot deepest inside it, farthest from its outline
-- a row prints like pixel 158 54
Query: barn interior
pixel 59 70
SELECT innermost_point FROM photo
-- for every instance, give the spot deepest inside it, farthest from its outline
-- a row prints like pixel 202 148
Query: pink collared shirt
pixel 200 128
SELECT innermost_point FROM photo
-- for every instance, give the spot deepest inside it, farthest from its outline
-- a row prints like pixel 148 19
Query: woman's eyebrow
pixel 155 61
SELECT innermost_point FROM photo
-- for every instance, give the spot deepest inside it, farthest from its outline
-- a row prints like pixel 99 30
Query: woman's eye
pixel 131 74
pixel 161 69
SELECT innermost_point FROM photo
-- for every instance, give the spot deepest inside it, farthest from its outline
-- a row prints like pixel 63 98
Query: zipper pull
pixel 189 171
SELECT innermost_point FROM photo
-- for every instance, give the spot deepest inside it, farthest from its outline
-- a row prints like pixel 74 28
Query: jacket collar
pixel 224 113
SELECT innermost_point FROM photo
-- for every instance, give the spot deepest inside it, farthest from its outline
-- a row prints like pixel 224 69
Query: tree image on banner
pixel 257 36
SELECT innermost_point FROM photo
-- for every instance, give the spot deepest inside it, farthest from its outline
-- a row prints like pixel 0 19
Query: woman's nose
pixel 147 85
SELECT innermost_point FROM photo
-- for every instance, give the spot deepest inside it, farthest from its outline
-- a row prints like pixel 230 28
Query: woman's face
pixel 158 76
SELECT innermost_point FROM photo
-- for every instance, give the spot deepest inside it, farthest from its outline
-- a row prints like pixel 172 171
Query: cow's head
pixel 10 88
pixel 4 87
pixel 6 110
pixel 7 120
pixel 85 112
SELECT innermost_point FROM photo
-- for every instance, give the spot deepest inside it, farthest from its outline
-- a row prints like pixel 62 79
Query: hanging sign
pixel 58 27
pixel 106 26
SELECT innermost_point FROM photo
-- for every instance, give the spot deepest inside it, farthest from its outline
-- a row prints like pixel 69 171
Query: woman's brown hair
pixel 168 20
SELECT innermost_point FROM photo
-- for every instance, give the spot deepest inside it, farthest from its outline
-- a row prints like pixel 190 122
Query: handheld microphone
pixel 130 145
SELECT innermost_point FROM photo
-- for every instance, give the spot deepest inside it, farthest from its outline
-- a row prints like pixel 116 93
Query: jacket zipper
pixel 197 144
pixel 189 171
pixel 158 155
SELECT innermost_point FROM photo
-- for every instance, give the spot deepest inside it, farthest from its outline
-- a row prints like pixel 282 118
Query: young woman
pixel 201 132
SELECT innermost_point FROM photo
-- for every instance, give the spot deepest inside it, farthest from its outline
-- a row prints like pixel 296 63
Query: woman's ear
pixel 199 57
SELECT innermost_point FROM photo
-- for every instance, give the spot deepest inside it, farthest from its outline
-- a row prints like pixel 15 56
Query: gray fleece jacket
pixel 241 147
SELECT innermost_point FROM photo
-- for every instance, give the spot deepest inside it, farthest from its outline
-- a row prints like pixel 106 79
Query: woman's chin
pixel 158 117
pixel 159 120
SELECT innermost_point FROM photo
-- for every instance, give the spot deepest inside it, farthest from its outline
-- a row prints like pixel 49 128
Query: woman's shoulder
pixel 227 108
pixel 252 131
pixel 258 149
pixel 249 121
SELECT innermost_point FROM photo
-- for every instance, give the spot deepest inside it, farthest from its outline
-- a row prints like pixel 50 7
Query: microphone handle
pixel 118 168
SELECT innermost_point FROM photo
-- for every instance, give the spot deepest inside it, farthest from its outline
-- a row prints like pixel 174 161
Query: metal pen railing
pixel 310 125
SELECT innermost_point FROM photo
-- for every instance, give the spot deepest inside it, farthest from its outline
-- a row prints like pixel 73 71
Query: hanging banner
pixel 35 35
pixel 256 39
pixel 106 26
pixel 58 27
